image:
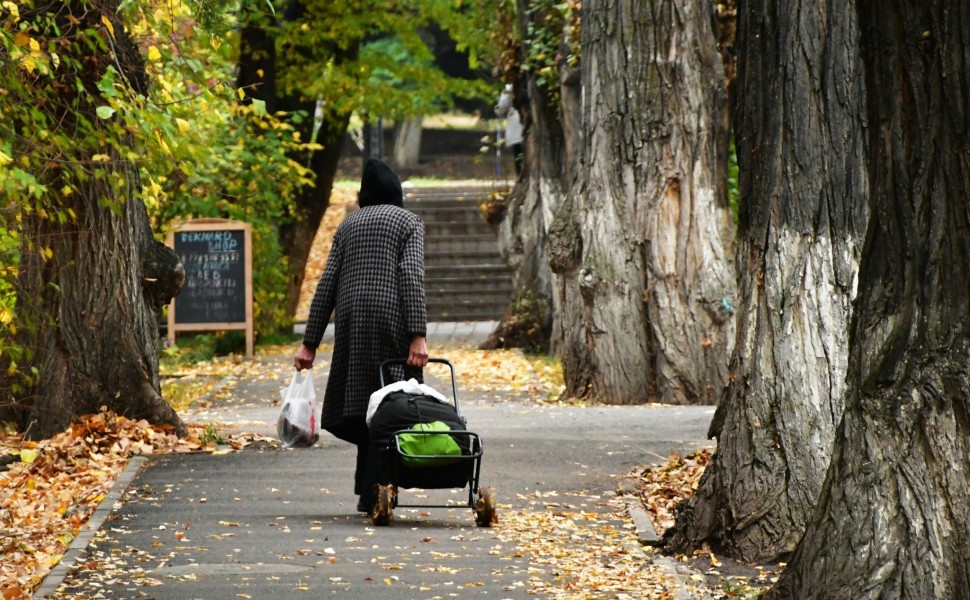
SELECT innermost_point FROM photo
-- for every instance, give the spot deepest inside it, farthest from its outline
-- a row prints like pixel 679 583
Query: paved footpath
pixel 273 523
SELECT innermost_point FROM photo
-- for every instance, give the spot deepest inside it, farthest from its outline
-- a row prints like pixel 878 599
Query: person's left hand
pixel 418 353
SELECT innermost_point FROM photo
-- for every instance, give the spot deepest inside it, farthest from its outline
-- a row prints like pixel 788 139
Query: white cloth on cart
pixel 411 386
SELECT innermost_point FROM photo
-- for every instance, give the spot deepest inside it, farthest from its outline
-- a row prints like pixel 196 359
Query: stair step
pixel 481 285
pixel 425 204
pixel 471 300
pixel 466 313
pixel 465 276
pixel 473 242
pixel 455 228
pixel 456 215
pixel 460 215
pixel 469 285
pixel 482 270
pixel 463 318
pixel 494 294
pixel 489 256
pixel 436 295
pixel 463 263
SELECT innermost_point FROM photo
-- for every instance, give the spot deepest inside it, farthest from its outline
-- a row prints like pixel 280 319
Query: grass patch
pixel 453 120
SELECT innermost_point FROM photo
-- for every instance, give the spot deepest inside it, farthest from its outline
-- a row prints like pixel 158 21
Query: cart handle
pixel 443 361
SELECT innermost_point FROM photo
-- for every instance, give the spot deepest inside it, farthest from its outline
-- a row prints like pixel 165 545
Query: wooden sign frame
pixel 218 225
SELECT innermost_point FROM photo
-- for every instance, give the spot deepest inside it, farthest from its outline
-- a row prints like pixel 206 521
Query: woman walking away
pixel 374 285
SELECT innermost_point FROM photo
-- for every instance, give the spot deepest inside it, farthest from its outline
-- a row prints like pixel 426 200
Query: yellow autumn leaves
pixel 26 52
pixel 13 10
pixel 53 486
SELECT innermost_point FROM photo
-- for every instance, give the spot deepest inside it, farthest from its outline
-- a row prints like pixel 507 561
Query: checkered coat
pixel 374 283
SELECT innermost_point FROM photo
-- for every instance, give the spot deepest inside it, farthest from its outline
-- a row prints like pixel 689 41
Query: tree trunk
pixel 256 65
pixel 799 128
pixel 645 284
pixel 726 24
pixel 260 67
pixel 407 143
pixel 893 519
pixel 524 227
pixel 296 236
pixel 93 285
pixel 522 233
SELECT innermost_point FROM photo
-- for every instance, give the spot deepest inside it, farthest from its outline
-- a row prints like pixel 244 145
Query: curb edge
pixel 685 588
pixel 75 551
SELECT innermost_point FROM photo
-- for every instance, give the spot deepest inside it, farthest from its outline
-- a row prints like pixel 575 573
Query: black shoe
pixel 364 506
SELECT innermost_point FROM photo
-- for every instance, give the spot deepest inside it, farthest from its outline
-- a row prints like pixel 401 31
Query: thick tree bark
pixel 296 236
pixel 99 297
pixel 893 519
pixel 260 67
pixel 646 277
pixel 523 230
pixel 256 65
pixel 799 127
pixel 93 285
pixel 726 24
pixel 407 143
pixel 522 233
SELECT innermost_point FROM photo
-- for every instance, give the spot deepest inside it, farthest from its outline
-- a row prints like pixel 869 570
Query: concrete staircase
pixel 465 276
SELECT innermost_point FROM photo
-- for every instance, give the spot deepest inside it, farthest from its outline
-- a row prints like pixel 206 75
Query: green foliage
pixel 191 349
pixel 49 150
pixel 280 338
pixel 203 347
pixel 213 15
pixel 548 22
pixel 10 352
pixel 740 590
pixel 733 188
pixel 505 41
pixel 416 84
pixel 374 57
pixel 220 158
pixel 546 19
pixel 246 175
pixel 211 436
pixel 163 124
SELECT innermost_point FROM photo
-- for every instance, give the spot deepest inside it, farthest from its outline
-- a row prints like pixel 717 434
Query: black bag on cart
pixel 402 410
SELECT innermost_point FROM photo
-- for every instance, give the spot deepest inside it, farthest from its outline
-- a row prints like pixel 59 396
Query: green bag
pixel 435 444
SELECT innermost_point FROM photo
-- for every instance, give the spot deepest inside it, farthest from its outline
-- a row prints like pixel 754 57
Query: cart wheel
pixel 383 510
pixel 485 508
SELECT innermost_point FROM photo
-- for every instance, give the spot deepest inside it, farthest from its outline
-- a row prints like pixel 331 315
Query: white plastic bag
pixel 297 424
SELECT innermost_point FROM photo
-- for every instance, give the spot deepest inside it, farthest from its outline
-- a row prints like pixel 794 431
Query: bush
pixel 219 155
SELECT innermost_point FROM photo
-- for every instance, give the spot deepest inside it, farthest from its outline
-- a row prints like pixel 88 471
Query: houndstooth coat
pixel 374 282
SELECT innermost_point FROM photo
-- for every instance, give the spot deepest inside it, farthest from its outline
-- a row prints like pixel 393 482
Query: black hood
pixel 379 185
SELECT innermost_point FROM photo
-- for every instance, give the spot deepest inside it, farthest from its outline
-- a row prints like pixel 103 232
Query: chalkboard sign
pixel 217 293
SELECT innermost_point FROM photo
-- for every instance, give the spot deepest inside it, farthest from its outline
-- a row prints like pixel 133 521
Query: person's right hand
pixel 418 352
pixel 304 358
